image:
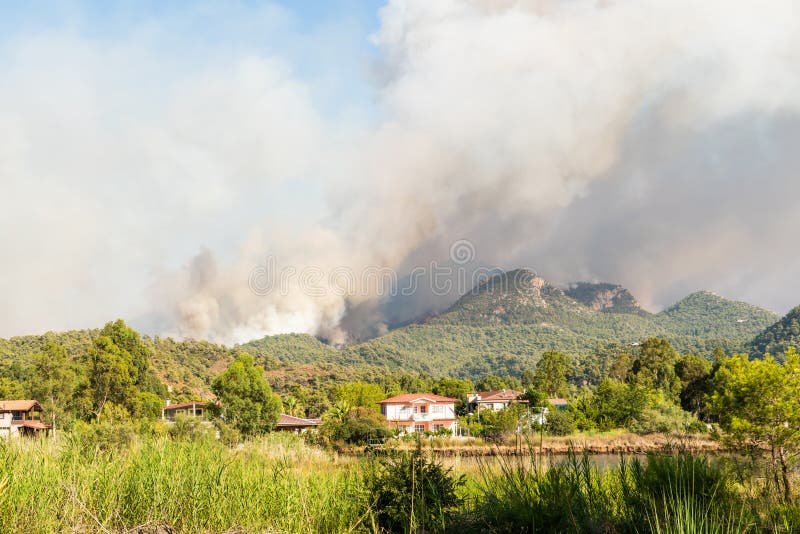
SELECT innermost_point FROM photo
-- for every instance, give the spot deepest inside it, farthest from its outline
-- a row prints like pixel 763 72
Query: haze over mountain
pixel 501 326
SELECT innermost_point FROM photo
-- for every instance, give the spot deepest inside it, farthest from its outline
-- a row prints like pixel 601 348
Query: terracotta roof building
pixel 420 412
pixel 291 423
pixel 492 400
pixel 21 417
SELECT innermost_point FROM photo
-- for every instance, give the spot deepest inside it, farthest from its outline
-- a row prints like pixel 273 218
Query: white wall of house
pixel 416 416
pixel 418 411
pixel 6 428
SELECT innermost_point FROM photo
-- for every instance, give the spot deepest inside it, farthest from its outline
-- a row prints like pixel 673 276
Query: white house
pixel 21 417
pixel 420 412
pixel 492 400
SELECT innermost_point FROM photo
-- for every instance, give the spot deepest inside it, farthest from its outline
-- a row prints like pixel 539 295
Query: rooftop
pixel 181 405
pixel 19 405
pixel 502 394
pixel 416 397
pixel 290 420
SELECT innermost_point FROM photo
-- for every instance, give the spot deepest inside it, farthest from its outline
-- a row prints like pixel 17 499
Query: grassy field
pixel 275 484
pixel 279 484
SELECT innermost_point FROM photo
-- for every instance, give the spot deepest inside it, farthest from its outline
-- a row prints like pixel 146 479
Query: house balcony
pixel 422 417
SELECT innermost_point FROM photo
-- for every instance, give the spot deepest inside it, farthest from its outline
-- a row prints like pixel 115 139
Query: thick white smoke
pixel 622 140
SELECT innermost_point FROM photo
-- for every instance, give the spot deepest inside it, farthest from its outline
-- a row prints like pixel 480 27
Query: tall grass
pixel 276 484
pixel 661 494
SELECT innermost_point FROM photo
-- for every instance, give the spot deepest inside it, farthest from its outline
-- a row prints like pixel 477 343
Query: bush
pixel 664 417
pixel 559 423
pixel 358 427
pixel 103 436
pixel 189 428
pixel 411 493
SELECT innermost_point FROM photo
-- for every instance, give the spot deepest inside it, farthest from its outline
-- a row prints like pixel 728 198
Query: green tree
pixel 620 368
pixel 111 375
pixel 758 406
pixel 129 341
pixel 694 373
pixel 527 378
pixel 655 367
pixel 11 389
pixel 551 373
pixel 247 400
pixel 53 381
pixel 618 405
pixel 360 394
pixel 292 406
pixel 491 383
pixel 357 426
pixel 454 388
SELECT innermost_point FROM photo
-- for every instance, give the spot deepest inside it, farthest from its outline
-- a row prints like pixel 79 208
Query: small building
pixel 290 423
pixel 21 418
pixel 193 409
pixel 420 412
pixel 492 400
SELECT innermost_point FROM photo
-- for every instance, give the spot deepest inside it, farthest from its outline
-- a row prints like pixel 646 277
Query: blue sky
pixel 326 43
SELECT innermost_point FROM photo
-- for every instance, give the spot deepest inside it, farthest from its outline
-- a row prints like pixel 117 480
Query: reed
pixel 273 484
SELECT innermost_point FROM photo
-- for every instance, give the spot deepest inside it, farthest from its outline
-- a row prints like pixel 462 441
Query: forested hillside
pixel 779 337
pixel 501 327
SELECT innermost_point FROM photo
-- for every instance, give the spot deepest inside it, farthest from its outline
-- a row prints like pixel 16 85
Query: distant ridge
pixel 779 337
pixel 501 326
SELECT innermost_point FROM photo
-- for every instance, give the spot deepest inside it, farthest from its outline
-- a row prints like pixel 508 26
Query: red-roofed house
pixel 291 423
pixel 21 417
pixel 420 412
pixel 492 400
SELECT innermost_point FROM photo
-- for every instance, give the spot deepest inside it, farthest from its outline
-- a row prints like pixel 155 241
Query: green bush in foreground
pixel 412 493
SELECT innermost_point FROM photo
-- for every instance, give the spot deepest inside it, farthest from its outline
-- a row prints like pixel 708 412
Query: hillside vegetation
pixel 500 327
pixel 504 324
pixel 779 337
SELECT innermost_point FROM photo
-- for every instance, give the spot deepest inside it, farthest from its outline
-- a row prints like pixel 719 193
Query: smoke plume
pixel 643 142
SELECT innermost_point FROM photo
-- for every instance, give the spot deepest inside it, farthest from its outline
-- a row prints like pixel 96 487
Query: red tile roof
pixel 558 402
pixel 499 395
pixel 416 397
pixel 19 405
pixel 178 406
pixel 290 420
pixel 36 425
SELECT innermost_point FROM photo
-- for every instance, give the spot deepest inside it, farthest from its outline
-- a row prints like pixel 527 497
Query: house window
pixel 16 416
pixel 419 428
pixel 420 409
pixel 438 408
pixel 437 428
pixel 383 409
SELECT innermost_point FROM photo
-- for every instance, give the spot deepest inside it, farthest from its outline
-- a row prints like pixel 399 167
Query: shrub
pixel 358 427
pixel 559 423
pixel 411 493
pixel 190 428
pixel 664 417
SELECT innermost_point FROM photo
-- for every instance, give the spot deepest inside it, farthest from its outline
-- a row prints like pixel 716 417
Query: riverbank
pixel 597 443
